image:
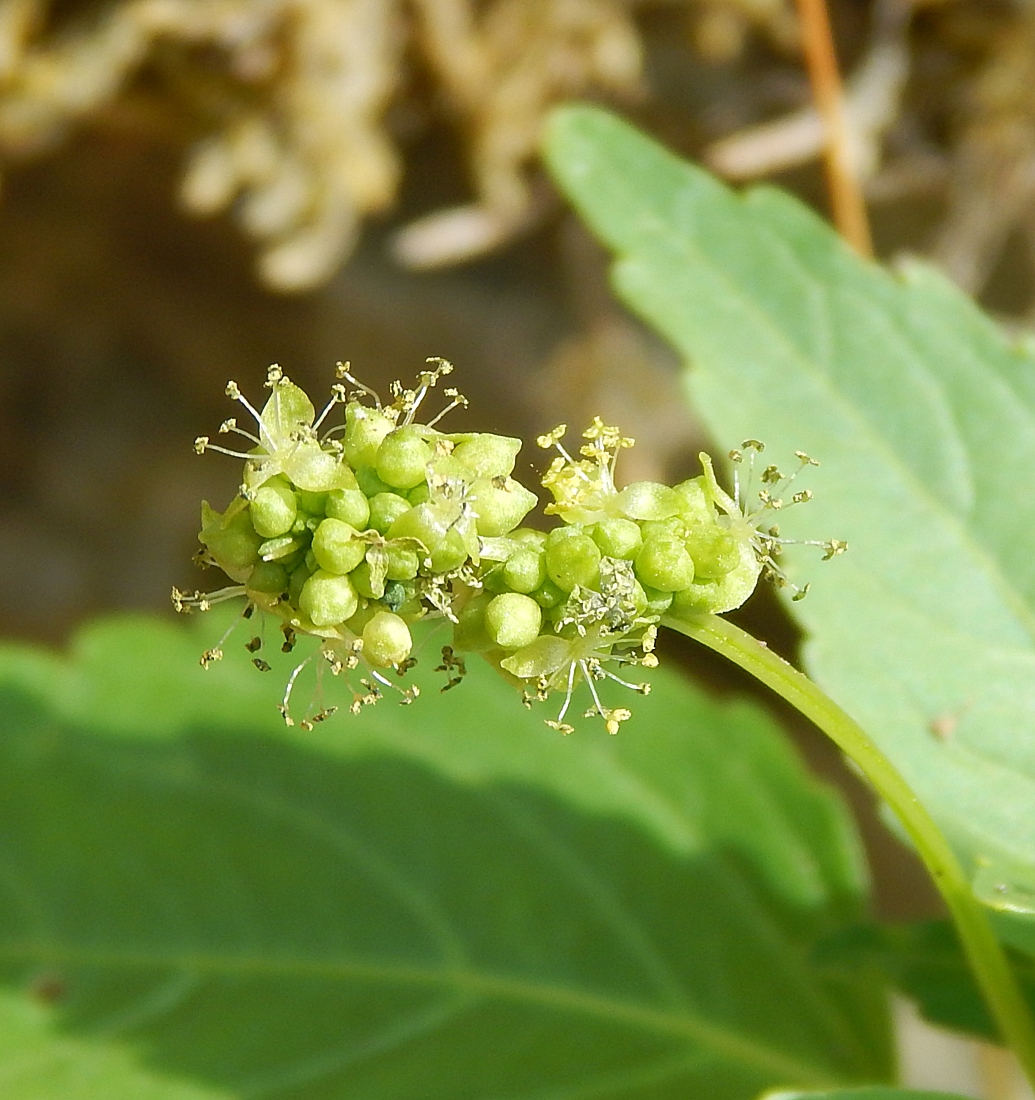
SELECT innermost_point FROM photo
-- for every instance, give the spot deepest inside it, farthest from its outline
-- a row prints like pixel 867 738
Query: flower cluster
pixel 353 531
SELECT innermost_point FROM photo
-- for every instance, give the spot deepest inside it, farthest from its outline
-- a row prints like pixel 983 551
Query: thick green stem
pixel 986 956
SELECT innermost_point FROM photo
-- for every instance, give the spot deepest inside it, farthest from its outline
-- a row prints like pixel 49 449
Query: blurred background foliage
pixel 193 189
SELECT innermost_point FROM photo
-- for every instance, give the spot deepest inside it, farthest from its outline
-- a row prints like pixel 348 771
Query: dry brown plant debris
pixel 289 98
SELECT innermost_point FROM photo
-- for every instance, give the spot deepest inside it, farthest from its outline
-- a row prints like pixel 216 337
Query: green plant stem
pixel 987 958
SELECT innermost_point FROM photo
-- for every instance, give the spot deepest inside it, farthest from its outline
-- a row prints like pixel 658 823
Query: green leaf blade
pixel 409 905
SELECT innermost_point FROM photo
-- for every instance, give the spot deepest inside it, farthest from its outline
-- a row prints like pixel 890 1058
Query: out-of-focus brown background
pixel 193 189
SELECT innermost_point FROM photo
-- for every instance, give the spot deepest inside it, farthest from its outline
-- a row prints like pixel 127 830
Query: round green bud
pixel 487 455
pixel 494 580
pixel 385 509
pixel 529 535
pixel 450 553
pixel 719 596
pixel 328 599
pixel 525 569
pixel 349 505
pixel 367 610
pixel 694 503
pixel 657 602
pixel 648 500
pixel 428 523
pixel 618 538
pixel 419 494
pixel 672 528
pixel 336 546
pixel 386 640
pixel 269 577
pixel 500 504
pixel 549 596
pixel 370 484
pixel 273 508
pixel 558 534
pixel 513 620
pixel 663 562
pixel 574 561
pixel 360 577
pixel 314 504
pixel 364 430
pixel 230 538
pixel 403 563
pixel 403 457
pixel 715 550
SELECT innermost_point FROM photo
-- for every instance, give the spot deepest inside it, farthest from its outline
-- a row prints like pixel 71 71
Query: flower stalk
pixel 987 958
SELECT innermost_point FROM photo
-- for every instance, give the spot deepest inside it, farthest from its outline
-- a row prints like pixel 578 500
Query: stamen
pixel 342 371
pixel 338 397
pixel 285 704
pixel 458 400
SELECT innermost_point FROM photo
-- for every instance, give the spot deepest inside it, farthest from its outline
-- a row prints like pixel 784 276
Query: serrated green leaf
pixel 923 960
pixel 924 418
pixel 439 901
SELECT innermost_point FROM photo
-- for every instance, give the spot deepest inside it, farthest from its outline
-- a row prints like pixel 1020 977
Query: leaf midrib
pixel 722 1041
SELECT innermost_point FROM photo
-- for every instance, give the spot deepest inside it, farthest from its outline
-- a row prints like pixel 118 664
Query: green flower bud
pixel 314 504
pixel 370 483
pixel 386 640
pixel 336 546
pixel 230 537
pixel 559 534
pixel 268 577
pixel 419 494
pixel 385 509
pixel 548 595
pixel 694 503
pixel 403 457
pixel 499 504
pixel 350 506
pixel 273 508
pixel 363 583
pixel 672 528
pixel 618 538
pixel 529 535
pixel 428 523
pixel 513 620
pixel 524 570
pixel 665 564
pixel 657 602
pixel 718 596
pixel 648 500
pixel 364 430
pixel 494 581
pixel 574 561
pixel 450 553
pixel 403 563
pixel 487 455
pixel 715 551
pixel 328 599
